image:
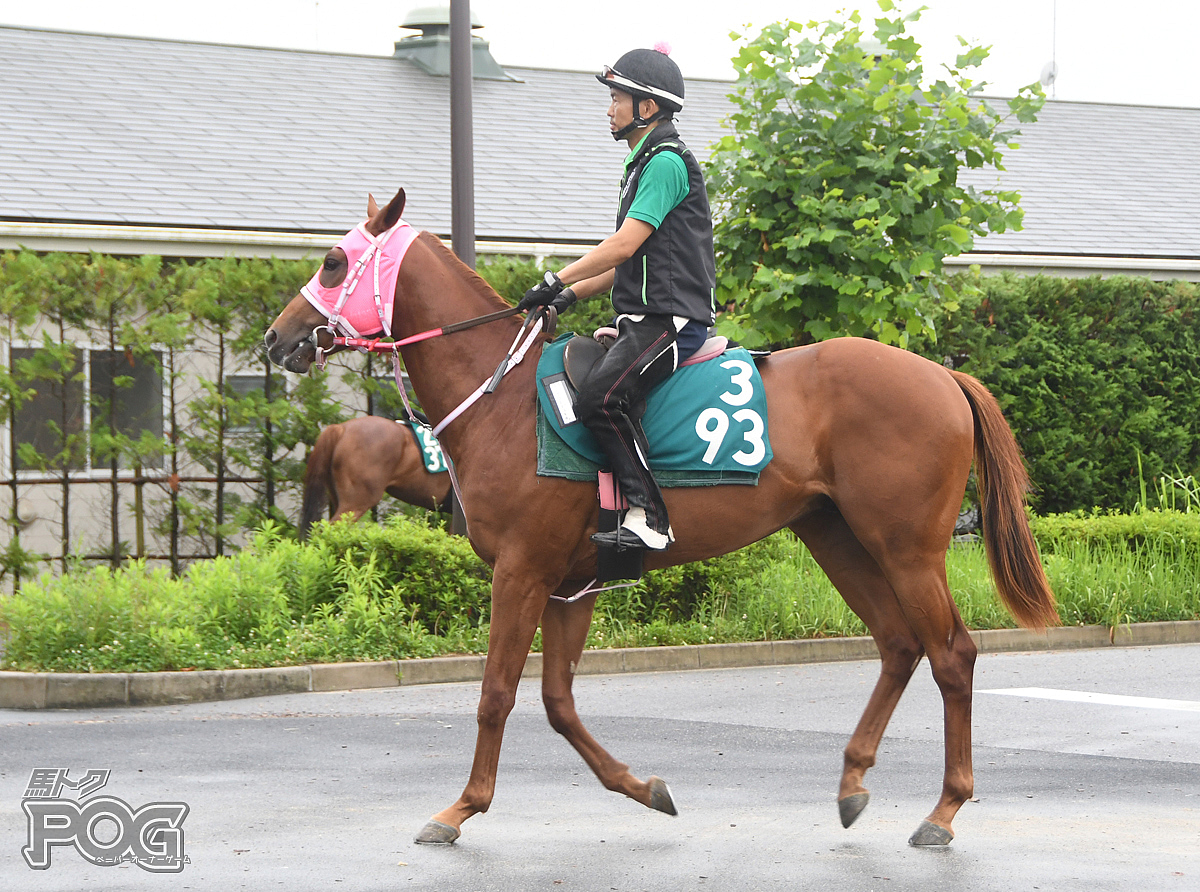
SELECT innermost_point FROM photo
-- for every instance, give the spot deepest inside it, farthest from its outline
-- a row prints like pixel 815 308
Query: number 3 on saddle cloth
pixel 706 425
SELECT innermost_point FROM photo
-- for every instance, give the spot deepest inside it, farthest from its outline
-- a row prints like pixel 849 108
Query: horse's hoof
pixel 929 834
pixel 660 797
pixel 852 806
pixel 435 833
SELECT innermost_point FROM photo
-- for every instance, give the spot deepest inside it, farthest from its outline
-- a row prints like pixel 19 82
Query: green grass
pixel 350 593
pixel 1117 585
pixel 405 589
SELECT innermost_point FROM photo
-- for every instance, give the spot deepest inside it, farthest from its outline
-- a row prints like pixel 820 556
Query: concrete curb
pixel 53 690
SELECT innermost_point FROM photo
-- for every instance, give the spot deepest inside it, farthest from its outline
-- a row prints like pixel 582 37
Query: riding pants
pixel 613 400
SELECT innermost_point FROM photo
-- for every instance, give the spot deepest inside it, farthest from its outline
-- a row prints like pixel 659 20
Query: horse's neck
pixel 432 292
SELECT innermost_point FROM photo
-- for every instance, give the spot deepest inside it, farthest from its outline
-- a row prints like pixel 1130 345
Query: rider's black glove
pixel 563 301
pixel 543 293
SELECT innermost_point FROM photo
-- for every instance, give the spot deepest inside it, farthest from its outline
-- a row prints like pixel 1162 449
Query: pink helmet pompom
pixel 663 47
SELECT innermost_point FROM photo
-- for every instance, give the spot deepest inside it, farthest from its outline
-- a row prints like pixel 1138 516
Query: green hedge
pixel 1171 530
pixel 352 592
pixel 1112 569
pixel 404 589
pixel 1093 375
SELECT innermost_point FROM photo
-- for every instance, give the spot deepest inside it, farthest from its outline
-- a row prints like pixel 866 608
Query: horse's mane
pixel 472 278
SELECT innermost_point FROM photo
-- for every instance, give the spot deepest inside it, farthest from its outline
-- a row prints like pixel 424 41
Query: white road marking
pixel 1101 699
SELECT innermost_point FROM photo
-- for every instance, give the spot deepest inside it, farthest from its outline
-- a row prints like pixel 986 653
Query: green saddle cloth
pixel 706 424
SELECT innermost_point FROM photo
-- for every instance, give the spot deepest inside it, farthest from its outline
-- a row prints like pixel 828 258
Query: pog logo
pixel 103 829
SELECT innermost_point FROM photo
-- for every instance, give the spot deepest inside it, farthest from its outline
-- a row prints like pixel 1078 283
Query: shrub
pixel 353 592
pixel 438 575
pixel 1174 531
pixel 405 589
pixel 1099 379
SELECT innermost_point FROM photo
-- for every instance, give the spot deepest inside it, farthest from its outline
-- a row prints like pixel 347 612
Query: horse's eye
pixel 333 268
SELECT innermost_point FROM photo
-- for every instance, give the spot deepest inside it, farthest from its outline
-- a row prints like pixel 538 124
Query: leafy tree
pixel 55 284
pixel 270 422
pixel 125 433
pixel 837 194
pixel 236 436
pixel 510 276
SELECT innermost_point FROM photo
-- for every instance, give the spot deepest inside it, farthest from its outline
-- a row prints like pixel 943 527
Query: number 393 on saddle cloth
pixel 706 424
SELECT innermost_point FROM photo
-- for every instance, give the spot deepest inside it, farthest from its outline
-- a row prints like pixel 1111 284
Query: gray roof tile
pixel 173 133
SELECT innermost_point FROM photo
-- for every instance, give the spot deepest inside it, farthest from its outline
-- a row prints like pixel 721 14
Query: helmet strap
pixel 638 121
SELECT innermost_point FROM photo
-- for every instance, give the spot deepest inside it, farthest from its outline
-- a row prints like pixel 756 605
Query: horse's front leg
pixel 564 634
pixel 518 596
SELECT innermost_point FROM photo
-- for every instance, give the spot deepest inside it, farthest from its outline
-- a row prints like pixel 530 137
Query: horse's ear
pixel 382 222
pixel 372 207
pixel 391 213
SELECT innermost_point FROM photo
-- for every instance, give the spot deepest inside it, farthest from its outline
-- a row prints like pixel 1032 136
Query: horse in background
pixel 354 464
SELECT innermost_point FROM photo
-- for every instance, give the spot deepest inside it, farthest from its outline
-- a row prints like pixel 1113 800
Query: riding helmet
pixel 646 74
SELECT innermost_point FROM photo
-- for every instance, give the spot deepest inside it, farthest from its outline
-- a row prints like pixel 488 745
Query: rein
pixel 379 345
pixel 529 331
pixel 509 362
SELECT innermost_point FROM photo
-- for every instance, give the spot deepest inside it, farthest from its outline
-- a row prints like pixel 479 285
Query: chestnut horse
pixel 872 449
pixel 354 464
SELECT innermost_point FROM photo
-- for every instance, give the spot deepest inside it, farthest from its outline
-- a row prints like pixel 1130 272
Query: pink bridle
pixel 353 314
pixel 346 306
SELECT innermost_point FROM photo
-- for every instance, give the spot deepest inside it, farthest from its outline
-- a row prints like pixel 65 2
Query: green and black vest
pixel 673 272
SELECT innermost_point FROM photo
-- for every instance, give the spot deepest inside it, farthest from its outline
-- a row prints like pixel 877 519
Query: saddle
pixel 582 353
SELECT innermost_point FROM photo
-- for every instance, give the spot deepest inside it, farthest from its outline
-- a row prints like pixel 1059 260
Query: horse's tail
pixel 1003 482
pixel 318 479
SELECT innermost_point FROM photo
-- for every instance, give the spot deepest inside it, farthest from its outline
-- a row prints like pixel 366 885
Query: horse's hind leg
pixel 564 634
pixel 866 590
pixel 924 596
pixel 921 615
pixel 358 487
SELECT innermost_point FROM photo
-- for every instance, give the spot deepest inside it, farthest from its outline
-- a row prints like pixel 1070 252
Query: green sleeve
pixel 662 185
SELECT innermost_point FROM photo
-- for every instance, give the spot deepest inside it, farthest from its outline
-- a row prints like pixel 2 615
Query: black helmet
pixel 646 74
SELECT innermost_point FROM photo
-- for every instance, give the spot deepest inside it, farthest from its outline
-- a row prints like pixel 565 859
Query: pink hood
pixel 362 304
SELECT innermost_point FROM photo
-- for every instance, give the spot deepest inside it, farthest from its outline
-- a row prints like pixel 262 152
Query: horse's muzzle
pixel 295 357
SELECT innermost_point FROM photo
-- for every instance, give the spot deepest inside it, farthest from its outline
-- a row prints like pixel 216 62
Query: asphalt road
pixel 1090 783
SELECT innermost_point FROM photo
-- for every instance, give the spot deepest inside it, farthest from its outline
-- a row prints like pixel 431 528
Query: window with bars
pixel 80 391
pixel 385 399
pixel 244 385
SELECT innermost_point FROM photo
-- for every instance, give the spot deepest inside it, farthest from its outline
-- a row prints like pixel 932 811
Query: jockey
pixel 659 265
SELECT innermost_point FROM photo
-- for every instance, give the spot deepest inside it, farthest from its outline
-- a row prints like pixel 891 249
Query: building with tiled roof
pixel 125 145
pixel 132 145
